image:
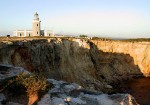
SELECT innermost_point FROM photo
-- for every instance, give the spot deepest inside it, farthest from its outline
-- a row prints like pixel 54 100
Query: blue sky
pixel 104 18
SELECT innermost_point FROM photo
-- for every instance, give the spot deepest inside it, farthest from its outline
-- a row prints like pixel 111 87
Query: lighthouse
pixel 36 25
pixel 36 29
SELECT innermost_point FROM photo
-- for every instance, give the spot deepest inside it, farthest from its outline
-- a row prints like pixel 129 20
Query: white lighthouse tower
pixel 36 25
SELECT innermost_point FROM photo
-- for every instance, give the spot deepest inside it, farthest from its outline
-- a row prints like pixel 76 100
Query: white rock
pixel 45 100
pixel 77 86
pixel 55 82
pixel 128 99
pixel 109 86
pixel 2 97
pixel 11 71
pixel 68 88
pixel 78 101
pixel 13 103
pixel 99 99
pixel 57 101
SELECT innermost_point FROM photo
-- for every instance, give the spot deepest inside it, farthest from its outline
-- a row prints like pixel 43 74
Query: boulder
pixel 8 71
pixel 13 103
pixel 45 100
pixel 2 98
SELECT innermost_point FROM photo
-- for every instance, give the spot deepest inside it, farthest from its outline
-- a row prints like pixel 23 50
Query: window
pixel 8 35
pixel 37 24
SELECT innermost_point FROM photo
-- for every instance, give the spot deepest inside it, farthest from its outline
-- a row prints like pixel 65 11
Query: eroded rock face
pixel 90 63
pixel 138 53
pixel 61 59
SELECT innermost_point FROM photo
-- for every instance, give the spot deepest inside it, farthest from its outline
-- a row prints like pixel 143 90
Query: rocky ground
pixel 61 93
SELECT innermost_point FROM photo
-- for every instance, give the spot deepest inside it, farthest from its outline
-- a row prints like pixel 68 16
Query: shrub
pixel 32 83
pixel 83 36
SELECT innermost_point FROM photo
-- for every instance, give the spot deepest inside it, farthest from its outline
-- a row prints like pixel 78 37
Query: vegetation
pixel 83 36
pixel 137 40
pixel 32 83
pixel 101 38
pixel 4 38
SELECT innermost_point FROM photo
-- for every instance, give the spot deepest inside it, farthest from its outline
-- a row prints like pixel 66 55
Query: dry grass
pixel 21 38
pixel 29 38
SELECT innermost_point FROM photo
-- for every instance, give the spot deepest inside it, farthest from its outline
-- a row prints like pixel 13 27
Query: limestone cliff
pixel 138 51
pixel 91 63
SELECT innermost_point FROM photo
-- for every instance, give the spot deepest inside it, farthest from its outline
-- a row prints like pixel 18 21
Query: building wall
pixel 28 34
pixel 20 33
pixel 48 33
pixel 23 33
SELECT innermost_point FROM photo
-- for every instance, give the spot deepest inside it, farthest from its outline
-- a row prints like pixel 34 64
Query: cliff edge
pixel 94 64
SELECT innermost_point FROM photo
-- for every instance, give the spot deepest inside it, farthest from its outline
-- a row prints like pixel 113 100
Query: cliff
pixel 139 51
pixel 91 63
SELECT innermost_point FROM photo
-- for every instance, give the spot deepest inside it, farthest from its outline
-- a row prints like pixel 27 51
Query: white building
pixel 36 29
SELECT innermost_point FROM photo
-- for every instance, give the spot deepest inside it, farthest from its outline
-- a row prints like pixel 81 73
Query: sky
pixel 103 18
